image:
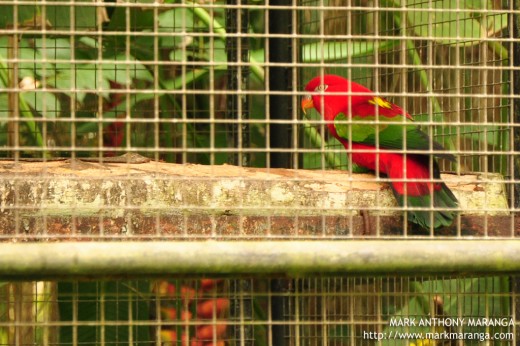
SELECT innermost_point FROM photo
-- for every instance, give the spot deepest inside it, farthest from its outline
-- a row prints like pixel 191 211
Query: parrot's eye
pixel 321 87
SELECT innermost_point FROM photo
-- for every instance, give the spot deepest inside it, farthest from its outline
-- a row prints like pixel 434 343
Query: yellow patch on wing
pixel 378 101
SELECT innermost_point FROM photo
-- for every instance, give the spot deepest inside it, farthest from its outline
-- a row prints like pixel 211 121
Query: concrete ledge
pixel 75 198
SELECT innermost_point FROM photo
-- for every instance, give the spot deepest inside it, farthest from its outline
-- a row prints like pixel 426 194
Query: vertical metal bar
pixel 516 104
pixel 242 311
pixel 516 140
pixel 280 79
pixel 232 98
pixel 280 108
pixel 243 45
pixel 22 310
pixel 237 50
pixel 156 103
pixel 232 83
pixel 75 311
pixel 278 307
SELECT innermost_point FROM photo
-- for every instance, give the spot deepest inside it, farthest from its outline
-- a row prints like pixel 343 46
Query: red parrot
pixel 377 131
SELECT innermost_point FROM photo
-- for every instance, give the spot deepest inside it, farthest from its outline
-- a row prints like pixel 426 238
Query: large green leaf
pixel 138 18
pixel 489 135
pixel 84 77
pixel 54 48
pixel 85 17
pixel 124 72
pixel 453 22
pixel 332 51
pixel 176 21
pixel 179 82
pixel 25 15
pixel 44 103
pixel 34 67
pixel 57 15
pixel 24 108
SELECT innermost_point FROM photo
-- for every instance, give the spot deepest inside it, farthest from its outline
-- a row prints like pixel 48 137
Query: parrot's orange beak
pixel 307 103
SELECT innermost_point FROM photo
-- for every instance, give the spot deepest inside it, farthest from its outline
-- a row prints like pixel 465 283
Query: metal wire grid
pixel 426 58
pixel 316 311
pixel 192 83
pixel 84 79
pixel 425 54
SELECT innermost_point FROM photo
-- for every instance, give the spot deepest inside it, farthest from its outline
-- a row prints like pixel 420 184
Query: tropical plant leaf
pixel 85 17
pixel 35 68
pixel 4 107
pixel 140 18
pixel 179 82
pixel 176 21
pixel 332 51
pixel 124 73
pixel 27 16
pixel 452 22
pixel 44 103
pixel 58 16
pixel 84 77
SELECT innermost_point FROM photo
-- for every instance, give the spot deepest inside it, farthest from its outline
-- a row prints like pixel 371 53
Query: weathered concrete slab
pixel 74 198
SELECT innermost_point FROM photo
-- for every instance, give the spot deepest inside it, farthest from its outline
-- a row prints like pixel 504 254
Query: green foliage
pixel 87 88
pixel 447 24
pixel 118 304
pixel 58 16
pixel 472 298
pixel 333 51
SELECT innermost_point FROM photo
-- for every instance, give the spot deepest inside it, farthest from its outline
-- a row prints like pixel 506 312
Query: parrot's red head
pixel 333 94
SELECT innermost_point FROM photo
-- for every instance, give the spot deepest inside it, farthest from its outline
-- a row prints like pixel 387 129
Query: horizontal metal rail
pixel 31 261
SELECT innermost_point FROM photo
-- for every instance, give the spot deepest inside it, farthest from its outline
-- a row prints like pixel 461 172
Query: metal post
pixel 516 136
pixel 516 104
pixel 280 77
pixel 237 50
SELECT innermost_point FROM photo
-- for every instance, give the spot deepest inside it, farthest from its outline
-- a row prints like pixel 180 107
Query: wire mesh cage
pixel 341 155
pixel 316 311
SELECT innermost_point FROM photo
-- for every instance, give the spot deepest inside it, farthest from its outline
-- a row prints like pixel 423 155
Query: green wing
pixel 389 132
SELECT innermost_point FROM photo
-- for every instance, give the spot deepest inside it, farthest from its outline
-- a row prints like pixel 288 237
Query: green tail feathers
pixel 443 201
